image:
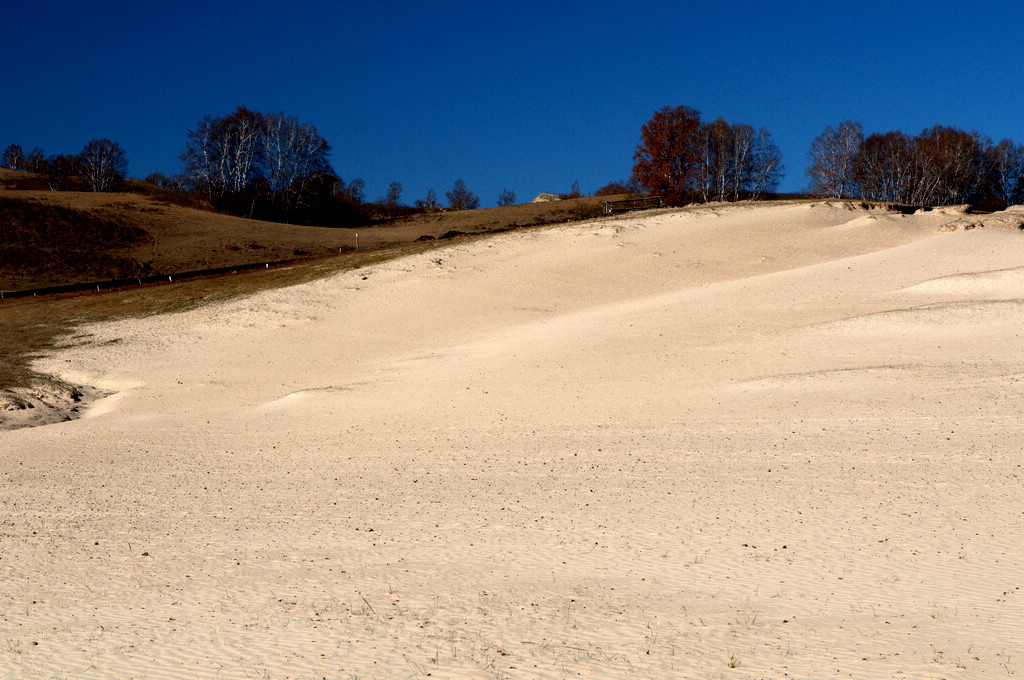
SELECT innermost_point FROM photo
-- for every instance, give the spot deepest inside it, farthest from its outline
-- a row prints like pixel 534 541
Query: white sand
pixel 783 438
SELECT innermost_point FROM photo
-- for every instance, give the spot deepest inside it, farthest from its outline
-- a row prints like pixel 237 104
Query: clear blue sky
pixel 525 95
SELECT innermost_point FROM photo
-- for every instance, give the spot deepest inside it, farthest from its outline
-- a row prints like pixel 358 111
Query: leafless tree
pixel 158 179
pixel 394 194
pixel 353 192
pixel 506 197
pixel 13 158
pixel 949 165
pixel 460 198
pixel 173 183
pixel 1005 165
pixel 883 168
pixel 726 160
pixel 767 169
pixel 684 159
pixel 736 162
pixel 831 159
pixel 713 170
pixel 271 163
pixel 102 163
pixel 388 205
pixel 56 170
pixel 35 160
pixel 221 156
pixel 940 166
pixel 428 204
pixel 293 155
pixel 742 161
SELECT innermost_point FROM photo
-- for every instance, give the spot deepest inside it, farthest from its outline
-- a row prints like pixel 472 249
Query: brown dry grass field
pixel 143 232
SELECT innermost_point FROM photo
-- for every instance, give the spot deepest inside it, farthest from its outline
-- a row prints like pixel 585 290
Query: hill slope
pixel 779 437
pixel 58 238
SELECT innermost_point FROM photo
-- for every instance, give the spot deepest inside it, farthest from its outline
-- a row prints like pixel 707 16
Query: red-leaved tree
pixel 668 156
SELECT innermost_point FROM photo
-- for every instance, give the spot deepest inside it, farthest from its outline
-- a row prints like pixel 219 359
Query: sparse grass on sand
pixel 31 326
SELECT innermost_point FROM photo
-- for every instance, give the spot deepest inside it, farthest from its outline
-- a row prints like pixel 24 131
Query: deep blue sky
pixel 526 95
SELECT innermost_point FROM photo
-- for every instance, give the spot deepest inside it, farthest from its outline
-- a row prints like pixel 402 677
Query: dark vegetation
pixel 684 159
pixel 939 166
pixel 48 244
pixel 101 166
pixel 461 198
pixel 274 170
pixel 269 167
pixel 619 187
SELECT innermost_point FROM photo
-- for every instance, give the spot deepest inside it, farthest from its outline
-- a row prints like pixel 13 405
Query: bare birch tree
pixel 35 160
pixel 950 166
pixel 251 160
pixel 742 162
pixel 940 166
pixel 293 155
pixel 102 163
pixel 222 154
pixel 767 168
pixel 13 158
pixel 428 204
pixel 1005 165
pixel 718 138
pixel 726 161
pixel 723 161
pixel 884 167
pixel 56 170
pixel 831 159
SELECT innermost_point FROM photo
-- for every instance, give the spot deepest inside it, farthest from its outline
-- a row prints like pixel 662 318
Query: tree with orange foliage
pixel 668 156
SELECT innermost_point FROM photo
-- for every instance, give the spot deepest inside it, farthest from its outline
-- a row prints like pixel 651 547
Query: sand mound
pixel 1010 219
pixel 44 401
pixel 1002 284
pixel 754 441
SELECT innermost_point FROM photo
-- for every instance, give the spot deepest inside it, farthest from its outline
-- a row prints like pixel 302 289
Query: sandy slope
pixel 783 438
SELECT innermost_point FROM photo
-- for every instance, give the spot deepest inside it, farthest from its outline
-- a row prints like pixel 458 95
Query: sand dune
pixel 732 442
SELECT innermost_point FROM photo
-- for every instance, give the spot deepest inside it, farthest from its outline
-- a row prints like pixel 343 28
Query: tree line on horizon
pixel 939 166
pixel 271 166
pixel 277 167
pixel 101 163
pixel 684 159
pixel 251 164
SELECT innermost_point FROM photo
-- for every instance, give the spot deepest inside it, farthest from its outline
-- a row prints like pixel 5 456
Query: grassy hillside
pixel 57 238
pixel 43 244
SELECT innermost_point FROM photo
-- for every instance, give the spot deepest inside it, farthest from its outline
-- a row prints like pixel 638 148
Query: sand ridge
pixel 741 441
